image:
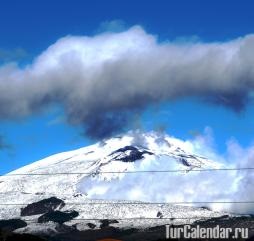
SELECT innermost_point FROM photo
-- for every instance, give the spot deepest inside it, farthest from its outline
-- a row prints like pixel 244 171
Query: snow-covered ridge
pixel 157 144
pixel 132 152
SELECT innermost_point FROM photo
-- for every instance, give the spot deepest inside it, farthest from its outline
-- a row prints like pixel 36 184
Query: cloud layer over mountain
pixel 226 188
pixel 101 81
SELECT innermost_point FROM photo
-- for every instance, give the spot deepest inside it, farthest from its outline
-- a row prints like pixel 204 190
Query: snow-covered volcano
pixel 103 169
pixel 111 179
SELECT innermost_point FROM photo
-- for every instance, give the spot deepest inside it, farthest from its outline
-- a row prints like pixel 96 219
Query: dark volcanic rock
pixel 57 216
pixel 12 224
pixel 156 233
pixel 91 225
pixel 185 162
pixel 159 215
pixel 107 222
pixel 22 237
pixel 43 206
pixel 134 154
pixel 62 228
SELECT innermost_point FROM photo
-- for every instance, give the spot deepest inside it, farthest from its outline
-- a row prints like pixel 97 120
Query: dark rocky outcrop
pixel 43 206
pixel 157 233
pixel 185 162
pixel 107 222
pixel 62 228
pixel 91 225
pixel 21 237
pixel 159 215
pixel 57 216
pixel 12 224
pixel 134 155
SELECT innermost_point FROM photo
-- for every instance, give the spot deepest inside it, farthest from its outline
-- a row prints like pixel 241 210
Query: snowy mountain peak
pixel 95 171
pixel 117 170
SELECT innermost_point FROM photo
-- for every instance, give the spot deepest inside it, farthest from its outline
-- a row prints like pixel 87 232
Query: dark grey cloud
pixel 108 124
pixel 101 80
pixel 234 100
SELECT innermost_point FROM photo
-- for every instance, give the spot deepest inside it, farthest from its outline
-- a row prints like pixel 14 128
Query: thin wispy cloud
pixel 4 145
pixel 116 25
pixel 17 54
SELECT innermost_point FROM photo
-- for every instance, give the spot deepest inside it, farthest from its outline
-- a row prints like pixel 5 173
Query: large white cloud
pixel 101 80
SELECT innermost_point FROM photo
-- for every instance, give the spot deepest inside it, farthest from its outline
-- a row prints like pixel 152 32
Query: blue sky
pixel 29 27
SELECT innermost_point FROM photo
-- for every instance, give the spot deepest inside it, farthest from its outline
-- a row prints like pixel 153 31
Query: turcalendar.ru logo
pixel 197 232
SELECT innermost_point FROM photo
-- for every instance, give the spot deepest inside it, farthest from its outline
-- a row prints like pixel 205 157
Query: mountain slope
pixel 109 180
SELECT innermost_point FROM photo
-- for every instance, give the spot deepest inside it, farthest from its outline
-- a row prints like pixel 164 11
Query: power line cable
pixel 129 172
pixel 138 203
